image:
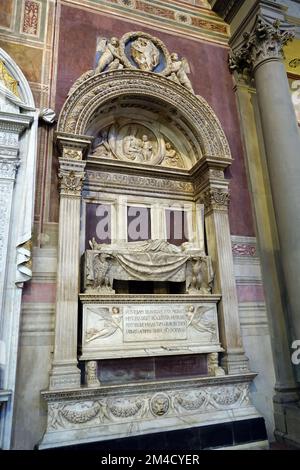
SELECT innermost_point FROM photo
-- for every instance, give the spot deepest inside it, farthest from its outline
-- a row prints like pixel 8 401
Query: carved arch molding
pixel 93 91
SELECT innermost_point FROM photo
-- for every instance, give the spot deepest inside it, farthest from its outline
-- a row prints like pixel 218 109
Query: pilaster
pixel 213 192
pixel 65 373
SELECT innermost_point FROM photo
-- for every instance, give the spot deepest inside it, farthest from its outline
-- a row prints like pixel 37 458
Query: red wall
pixel 209 74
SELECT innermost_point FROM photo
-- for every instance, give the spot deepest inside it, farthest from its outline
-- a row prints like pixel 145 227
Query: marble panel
pixel 112 330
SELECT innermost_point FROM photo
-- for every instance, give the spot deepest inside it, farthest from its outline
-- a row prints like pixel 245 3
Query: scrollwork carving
pixel 72 154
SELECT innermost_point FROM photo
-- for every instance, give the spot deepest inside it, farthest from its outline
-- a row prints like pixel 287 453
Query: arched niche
pixel 95 100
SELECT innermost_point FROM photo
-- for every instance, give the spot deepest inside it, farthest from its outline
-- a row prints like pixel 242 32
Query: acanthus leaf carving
pixel 216 198
pixel 70 183
pixel 266 41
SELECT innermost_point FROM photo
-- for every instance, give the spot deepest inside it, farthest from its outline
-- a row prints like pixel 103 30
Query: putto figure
pixel 110 56
pixel 179 70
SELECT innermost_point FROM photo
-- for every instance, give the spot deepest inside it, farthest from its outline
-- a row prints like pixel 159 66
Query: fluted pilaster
pixel 65 373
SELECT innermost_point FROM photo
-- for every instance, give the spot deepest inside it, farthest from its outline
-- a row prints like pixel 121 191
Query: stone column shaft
pixel 65 373
pixel 268 244
pixel 260 55
pixel 282 143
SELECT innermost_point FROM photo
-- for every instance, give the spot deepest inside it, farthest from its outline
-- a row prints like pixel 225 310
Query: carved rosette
pixel 71 183
pixel 264 42
pixel 216 199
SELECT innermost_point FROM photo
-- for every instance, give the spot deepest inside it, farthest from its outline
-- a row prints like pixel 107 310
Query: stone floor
pixel 281 446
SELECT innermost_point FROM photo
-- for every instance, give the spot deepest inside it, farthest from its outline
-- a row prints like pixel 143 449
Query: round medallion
pixel 144 52
pixel 136 142
pixel 160 404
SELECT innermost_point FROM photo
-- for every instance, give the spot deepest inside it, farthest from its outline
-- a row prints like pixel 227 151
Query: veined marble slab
pixel 121 328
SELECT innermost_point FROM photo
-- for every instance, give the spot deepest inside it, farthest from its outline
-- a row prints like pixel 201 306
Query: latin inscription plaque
pixel 137 329
pixel 154 323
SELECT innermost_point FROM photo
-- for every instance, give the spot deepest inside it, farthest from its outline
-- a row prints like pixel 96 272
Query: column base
pixel 286 394
pixel 235 363
pixel 287 423
pixel 64 376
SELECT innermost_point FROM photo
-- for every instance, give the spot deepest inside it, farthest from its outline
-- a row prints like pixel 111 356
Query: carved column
pixel 261 54
pixel 65 373
pixel 216 200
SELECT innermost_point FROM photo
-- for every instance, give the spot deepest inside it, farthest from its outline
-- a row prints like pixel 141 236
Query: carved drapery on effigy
pixel 152 260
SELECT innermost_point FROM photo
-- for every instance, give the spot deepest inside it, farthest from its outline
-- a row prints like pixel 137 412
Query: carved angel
pixel 112 322
pixel 179 70
pixel 110 56
pixel 197 320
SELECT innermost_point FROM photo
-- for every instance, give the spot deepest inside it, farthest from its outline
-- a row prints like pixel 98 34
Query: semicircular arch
pixel 97 89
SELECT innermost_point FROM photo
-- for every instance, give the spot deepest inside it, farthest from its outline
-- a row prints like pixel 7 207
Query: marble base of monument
pixel 121 411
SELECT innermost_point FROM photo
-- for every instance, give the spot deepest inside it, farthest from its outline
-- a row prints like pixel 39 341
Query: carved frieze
pixel 118 180
pixel 72 154
pixel 103 410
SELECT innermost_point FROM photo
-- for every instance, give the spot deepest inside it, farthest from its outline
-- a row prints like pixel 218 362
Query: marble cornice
pixel 131 168
pixel 136 387
pixel 227 9
pixel 11 122
pixel 148 298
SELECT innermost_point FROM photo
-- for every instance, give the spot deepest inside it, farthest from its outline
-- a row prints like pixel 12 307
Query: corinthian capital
pixel 215 199
pixel 71 183
pixel 264 42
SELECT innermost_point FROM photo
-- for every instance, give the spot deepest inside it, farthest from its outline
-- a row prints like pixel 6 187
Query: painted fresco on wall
pixel 294 82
